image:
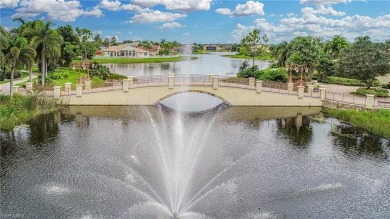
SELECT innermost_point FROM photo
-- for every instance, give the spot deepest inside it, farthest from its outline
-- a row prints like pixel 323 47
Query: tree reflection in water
pixel 297 129
pixel 354 141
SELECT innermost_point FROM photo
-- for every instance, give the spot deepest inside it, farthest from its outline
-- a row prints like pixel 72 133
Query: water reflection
pixel 354 142
pixel 100 162
pixel 297 130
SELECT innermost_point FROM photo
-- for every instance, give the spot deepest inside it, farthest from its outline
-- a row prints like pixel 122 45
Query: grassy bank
pixel 138 60
pixel 20 109
pixel 265 57
pixel 377 122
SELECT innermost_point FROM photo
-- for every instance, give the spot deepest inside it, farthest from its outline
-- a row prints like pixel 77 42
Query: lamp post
pixel 85 65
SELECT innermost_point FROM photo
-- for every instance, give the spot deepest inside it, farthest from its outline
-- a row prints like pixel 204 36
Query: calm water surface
pixel 213 63
pixel 152 162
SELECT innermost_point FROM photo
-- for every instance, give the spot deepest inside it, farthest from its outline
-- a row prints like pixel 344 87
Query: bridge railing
pixel 345 98
pixel 195 80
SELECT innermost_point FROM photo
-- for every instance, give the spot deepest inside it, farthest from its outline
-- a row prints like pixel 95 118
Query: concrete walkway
pixel 4 88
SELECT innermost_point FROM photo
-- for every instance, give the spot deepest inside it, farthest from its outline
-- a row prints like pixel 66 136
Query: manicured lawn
pixel 138 60
pixel 377 122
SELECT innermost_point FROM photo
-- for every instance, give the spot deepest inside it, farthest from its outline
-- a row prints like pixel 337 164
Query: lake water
pixel 213 63
pixel 229 162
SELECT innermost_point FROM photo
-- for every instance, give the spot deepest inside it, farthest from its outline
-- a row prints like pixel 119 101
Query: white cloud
pixel 318 26
pixel 185 34
pixel 324 2
pixel 183 5
pixel 110 5
pixel 156 16
pixel 147 3
pixel 224 11
pixel 247 9
pixel 321 10
pixel 56 9
pixel 95 12
pixel 171 25
pixel 131 7
pixel 9 3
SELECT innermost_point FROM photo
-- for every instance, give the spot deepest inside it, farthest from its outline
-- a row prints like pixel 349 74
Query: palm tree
pixel 26 30
pixel 18 51
pixel 335 46
pixel 44 37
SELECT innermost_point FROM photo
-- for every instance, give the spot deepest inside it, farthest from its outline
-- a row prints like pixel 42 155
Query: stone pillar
pixel 68 87
pixel 79 90
pixel 370 101
pixel 87 85
pixel 57 92
pixel 322 93
pixel 16 88
pixel 171 81
pixel 290 86
pixel 251 82
pixel 131 81
pixel 310 88
pixel 215 83
pixel 29 86
pixel 259 86
pixel 301 89
pixel 211 76
pixel 315 83
pixel 125 85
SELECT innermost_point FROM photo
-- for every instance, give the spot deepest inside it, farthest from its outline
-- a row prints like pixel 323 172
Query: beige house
pixel 124 51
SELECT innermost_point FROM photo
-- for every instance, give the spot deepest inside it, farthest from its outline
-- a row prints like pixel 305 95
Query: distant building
pixel 125 50
pixel 210 47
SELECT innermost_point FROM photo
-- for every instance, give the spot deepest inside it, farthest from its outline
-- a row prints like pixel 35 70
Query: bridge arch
pixel 192 91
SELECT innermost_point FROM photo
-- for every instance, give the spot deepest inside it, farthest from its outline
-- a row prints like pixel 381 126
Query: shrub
pixel 345 81
pixel 274 74
pixel 380 92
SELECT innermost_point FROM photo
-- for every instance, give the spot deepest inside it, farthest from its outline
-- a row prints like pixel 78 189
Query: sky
pixel 209 21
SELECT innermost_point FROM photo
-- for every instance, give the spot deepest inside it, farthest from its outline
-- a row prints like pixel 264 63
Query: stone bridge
pixel 140 91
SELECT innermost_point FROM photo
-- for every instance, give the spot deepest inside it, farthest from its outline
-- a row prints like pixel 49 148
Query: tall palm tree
pixel 26 30
pixel 44 37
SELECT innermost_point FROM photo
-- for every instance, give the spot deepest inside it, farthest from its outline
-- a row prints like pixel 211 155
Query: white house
pixel 125 50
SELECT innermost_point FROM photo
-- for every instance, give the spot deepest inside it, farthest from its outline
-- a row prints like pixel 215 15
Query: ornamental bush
pixel 380 92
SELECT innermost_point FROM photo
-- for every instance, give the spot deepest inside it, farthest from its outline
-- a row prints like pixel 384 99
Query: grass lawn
pixel 72 77
pixel 138 60
pixel 377 122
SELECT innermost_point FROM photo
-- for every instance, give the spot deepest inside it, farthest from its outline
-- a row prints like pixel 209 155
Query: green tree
pixel 106 42
pixel 335 46
pixel 364 60
pixel 280 52
pixel 17 52
pixel 87 46
pixel 304 51
pixel 70 45
pixel 113 41
pixel 26 30
pixel 44 37
pixel 252 42
pixel 4 46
